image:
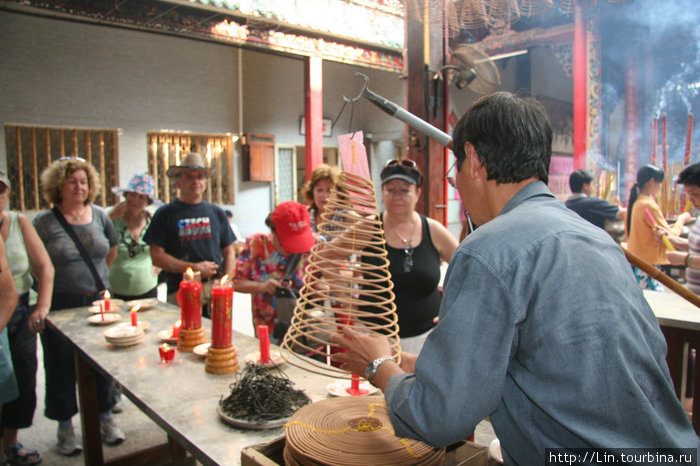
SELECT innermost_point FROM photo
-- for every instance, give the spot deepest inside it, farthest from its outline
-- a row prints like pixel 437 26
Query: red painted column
pixel 580 95
pixel 313 81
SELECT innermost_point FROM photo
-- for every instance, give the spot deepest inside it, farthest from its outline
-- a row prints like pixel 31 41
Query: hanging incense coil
pixel 351 431
pixel 570 6
pixel 469 14
pixel 530 8
pixel 502 13
pixel 347 281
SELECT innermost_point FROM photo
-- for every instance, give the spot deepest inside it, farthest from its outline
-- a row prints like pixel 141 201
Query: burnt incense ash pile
pixel 259 395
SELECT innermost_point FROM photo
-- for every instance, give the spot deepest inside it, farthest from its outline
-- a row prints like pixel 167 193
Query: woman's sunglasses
pixel 408 163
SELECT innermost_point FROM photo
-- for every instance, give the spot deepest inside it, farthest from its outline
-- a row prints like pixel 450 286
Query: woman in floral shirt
pixel 262 263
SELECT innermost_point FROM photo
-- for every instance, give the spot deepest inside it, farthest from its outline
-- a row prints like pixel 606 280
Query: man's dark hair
pixel 511 134
pixel 690 175
pixel 578 178
pixel 269 223
pixel 229 214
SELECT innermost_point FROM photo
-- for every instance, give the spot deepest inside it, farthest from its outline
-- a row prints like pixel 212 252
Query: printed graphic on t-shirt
pixel 191 229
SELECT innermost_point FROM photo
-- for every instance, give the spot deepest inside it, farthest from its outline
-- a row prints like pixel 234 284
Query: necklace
pixel 407 241
pixel 76 218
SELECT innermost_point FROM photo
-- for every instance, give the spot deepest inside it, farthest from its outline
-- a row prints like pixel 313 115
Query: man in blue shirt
pixel 593 209
pixel 542 325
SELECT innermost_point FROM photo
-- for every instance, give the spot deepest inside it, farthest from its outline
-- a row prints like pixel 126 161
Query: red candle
pixel 176 329
pixel 654 136
pixel 190 299
pixel 107 302
pixel 264 336
pixel 221 305
pixel 134 319
pixel 664 142
pixel 688 139
pixel 354 389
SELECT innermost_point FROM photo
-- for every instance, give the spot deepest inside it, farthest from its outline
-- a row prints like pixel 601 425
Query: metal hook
pixel 362 92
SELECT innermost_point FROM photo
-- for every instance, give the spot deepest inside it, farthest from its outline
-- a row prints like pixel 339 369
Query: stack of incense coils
pixel 351 430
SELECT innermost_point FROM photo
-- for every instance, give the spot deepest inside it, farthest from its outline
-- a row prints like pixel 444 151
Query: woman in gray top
pixel 71 184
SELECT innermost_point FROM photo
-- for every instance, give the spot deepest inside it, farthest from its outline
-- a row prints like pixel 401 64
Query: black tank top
pixel 417 298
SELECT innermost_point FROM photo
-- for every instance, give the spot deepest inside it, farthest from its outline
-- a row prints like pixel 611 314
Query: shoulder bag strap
pixel 291 267
pixel 78 244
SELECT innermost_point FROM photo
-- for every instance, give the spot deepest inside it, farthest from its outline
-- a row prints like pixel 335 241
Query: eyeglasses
pixel 408 163
pixel 451 179
pixel 408 259
pixel 79 159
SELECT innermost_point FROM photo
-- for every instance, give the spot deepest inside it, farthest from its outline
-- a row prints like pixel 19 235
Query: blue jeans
pixel 59 366
pixel 19 413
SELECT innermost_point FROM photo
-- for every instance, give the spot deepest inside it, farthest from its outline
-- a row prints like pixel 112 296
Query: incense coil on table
pixel 339 288
pixel 351 431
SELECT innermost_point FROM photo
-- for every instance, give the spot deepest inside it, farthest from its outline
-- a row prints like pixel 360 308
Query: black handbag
pixel 286 299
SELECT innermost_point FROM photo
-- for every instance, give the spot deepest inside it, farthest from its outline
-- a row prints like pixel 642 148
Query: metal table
pixel 181 398
pixel 680 324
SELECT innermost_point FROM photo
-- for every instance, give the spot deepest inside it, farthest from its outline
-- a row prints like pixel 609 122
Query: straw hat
pixel 192 161
pixel 142 184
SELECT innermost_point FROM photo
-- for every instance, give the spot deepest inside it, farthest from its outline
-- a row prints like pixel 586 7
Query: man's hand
pixel 361 348
pixel 676 257
pixel 207 268
pixel 269 286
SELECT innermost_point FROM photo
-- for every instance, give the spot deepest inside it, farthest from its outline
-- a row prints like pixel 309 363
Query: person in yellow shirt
pixel 640 227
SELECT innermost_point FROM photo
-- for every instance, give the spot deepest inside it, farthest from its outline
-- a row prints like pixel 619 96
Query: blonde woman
pixel 71 186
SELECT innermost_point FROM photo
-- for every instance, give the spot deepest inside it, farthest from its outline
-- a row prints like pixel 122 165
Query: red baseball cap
pixel 293 227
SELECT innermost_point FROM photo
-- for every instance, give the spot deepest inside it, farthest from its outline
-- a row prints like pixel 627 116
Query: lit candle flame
pixel 136 308
pixel 178 323
pixel 107 295
pixel 189 272
pixel 165 346
pixel 224 279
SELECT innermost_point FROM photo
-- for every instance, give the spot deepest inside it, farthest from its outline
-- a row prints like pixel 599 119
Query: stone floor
pixel 140 431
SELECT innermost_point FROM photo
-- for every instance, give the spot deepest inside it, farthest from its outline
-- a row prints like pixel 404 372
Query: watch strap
pixel 373 367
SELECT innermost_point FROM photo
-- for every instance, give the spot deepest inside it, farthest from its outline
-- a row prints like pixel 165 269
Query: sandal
pixel 13 456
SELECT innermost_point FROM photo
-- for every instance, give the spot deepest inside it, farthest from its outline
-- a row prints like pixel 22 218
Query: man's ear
pixel 475 168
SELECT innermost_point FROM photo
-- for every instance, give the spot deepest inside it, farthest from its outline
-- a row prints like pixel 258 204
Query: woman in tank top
pixel 416 247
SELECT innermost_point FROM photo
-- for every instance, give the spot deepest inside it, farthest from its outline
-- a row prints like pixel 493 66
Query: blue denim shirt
pixel 544 328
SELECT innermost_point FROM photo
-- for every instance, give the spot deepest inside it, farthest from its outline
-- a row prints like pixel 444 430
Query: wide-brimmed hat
pixel 293 227
pixel 142 184
pixel 192 161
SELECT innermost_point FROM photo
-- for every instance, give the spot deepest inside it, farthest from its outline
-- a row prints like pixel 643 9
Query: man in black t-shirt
pixel 593 209
pixel 191 232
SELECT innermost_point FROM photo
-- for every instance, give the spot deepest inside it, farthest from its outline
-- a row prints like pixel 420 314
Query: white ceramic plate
pixel 109 318
pixel 201 350
pixel 123 331
pixel 145 304
pixel 114 303
pixel 251 425
pixel 167 336
pixel 275 357
pixel 340 387
pixel 127 342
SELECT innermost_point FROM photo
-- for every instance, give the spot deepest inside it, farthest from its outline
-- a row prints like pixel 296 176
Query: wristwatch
pixel 373 367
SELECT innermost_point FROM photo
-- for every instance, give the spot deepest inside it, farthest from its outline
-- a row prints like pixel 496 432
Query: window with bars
pixel 30 149
pixel 167 148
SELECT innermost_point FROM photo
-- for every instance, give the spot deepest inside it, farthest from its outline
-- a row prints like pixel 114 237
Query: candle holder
pixel 221 361
pixel 189 338
pixel 167 353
